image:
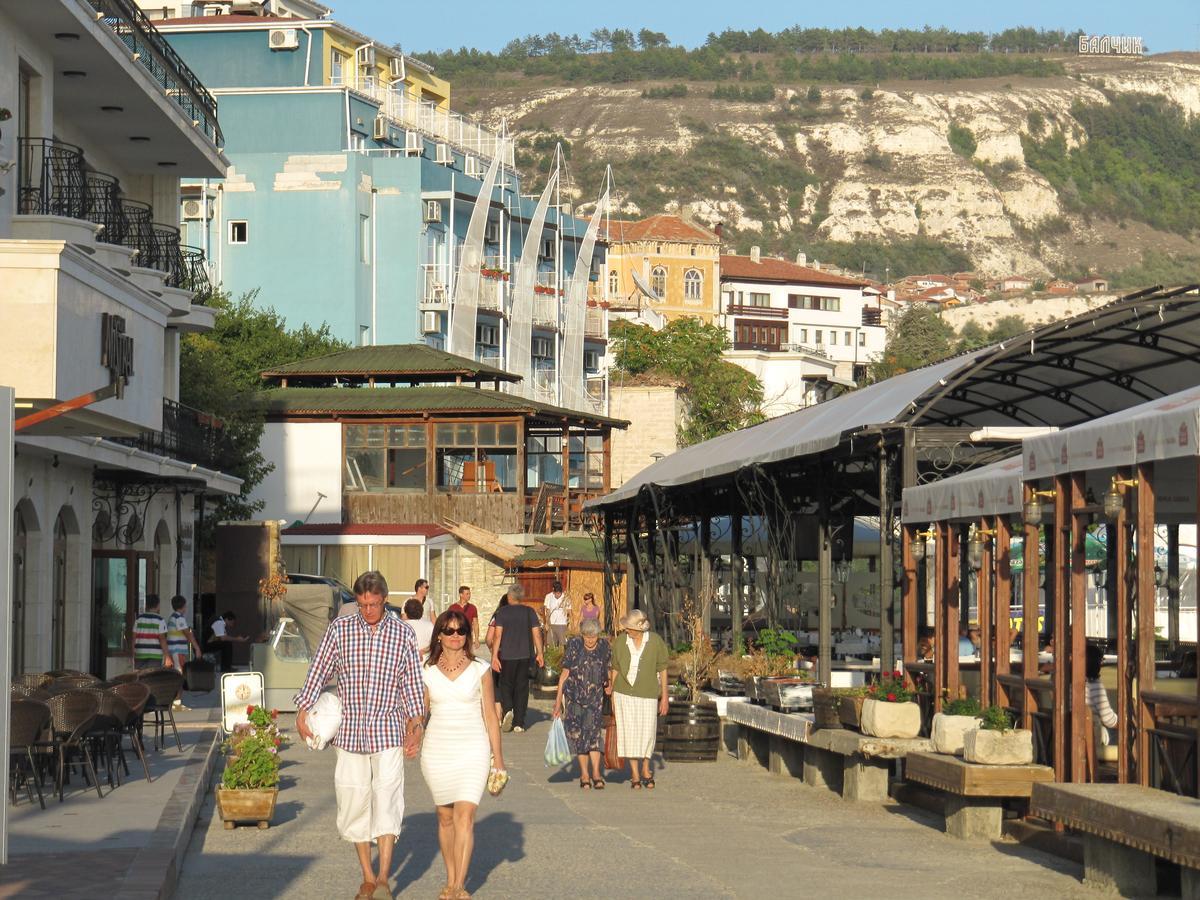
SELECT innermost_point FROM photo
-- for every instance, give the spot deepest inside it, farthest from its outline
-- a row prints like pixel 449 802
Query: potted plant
pixel 250 783
pixel 691 729
pixel 850 703
pixel 951 724
pixel 996 742
pixel 552 658
pixel 730 671
pixel 890 710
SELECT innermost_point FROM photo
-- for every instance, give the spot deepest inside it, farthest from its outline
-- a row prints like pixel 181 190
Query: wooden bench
pixel 1125 826
pixel 976 793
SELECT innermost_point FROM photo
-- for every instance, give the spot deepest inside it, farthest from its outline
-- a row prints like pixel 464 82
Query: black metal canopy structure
pixel 800 479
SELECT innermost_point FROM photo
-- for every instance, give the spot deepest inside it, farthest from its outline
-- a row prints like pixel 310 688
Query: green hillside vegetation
pixel 1141 161
pixel 844 56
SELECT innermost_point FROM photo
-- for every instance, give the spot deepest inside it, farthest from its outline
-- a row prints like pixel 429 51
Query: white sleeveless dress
pixel 456 755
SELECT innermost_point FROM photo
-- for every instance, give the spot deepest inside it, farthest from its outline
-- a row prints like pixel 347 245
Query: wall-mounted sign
pixel 116 350
pixel 239 690
pixel 1110 45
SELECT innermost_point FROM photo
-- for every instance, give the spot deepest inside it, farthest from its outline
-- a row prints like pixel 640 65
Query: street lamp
pixel 1114 499
pixel 917 547
pixel 976 545
pixel 1034 508
pixel 841 571
pixel 1099 575
pixel 1160 577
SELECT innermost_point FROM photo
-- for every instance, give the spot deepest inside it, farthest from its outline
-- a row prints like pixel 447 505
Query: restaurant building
pixel 111 472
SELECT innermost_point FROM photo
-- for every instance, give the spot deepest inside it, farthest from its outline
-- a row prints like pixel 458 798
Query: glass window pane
pixel 595 442
pixel 445 435
pixel 506 436
pixel 451 466
pixel 464 435
pixel 377 435
pixel 487 435
pixel 364 470
pixel 576 443
pixel 356 435
pixel 416 435
pixel 505 465
pixel 291 645
pixel 406 469
pixel 299 558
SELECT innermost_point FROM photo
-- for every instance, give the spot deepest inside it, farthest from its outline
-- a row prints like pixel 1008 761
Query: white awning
pixel 1161 429
pixel 992 490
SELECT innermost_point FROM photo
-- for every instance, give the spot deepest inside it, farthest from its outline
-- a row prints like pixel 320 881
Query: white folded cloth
pixel 324 720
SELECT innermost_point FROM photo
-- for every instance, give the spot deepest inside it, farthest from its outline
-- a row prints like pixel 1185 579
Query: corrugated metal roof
pixel 442 398
pixel 391 360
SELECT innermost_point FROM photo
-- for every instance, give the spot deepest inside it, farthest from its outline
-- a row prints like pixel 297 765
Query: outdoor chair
pixel 75 681
pixel 33 681
pixel 135 696
pixel 126 677
pixel 164 685
pixel 73 713
pixel 27 722
pixel 63 673
pixel 105 733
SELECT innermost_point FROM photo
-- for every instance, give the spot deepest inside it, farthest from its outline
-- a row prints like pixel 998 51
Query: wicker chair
pixel 73 713
pixel 126 677
pixel 75 681
pixel 164 685
pixel 27 721
pixel 63 673
pixel 136 696
pixel 33 681
pixel 105 732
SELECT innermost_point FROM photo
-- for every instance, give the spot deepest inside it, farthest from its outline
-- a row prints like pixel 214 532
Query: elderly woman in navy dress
pixel 580 700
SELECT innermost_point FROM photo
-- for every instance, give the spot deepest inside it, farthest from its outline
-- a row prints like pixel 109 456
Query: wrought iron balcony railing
pixel 51 179
pixel 190 436
pixel 104 206
pixel 151 49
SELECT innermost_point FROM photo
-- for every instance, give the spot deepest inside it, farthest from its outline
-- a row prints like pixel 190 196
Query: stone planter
pixel 890 720
pixel 850 711
pixel 947 732
pixel 999 748
pixel 246 806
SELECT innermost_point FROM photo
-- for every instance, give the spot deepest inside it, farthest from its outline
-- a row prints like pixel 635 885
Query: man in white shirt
pixel 558 613
pixel 413 616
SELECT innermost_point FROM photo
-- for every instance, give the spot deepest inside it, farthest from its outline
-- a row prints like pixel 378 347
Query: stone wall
pixel 654 413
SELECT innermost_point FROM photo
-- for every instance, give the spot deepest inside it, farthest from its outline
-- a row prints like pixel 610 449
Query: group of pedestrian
pixel 171 643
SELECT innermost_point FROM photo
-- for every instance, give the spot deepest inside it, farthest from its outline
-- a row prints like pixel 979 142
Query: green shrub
pixel 814 94
pixel 995 718
pixel 670 92
pixel 963 706
pixel 961 140
pixel 866 94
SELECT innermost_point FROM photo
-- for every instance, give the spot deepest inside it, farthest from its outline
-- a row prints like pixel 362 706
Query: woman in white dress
pixel 462 741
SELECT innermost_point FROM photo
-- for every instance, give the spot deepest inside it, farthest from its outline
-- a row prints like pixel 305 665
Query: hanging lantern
pixel 1035 509
pixel 917 547
pixel 841 571
pixel 1114 498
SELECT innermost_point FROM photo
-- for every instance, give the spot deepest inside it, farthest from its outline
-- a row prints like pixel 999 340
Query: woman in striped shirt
pixel 1097 696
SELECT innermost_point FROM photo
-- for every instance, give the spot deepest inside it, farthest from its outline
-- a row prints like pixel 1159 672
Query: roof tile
pixel 771 269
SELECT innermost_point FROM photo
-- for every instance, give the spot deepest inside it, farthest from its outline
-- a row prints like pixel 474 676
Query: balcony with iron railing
pixel 149 48
pixel 53 179
pixel 190 436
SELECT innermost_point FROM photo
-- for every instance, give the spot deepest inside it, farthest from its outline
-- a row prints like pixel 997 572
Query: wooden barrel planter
pixel 825 708
pixel 691 732
pixel 850 711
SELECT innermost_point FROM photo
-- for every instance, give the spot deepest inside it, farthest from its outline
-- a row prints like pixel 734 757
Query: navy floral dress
pixel 583 694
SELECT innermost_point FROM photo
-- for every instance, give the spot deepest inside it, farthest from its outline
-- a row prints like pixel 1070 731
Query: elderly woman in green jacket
pixel 638 680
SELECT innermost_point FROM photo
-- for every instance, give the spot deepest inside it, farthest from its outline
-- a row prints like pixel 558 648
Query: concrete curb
pixel 155 870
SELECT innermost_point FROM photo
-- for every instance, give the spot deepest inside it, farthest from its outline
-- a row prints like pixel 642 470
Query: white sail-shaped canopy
pixel 469 283
pixel 520 325
pixel 575 317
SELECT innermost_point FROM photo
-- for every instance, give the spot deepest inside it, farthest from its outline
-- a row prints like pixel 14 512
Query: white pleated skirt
pixel 637 724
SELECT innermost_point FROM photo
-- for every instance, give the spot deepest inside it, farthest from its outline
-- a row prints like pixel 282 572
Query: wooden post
pixel 985 615
pixel 887 588
pixel 824 595
pixel 953 606
pixel 737 565
pixel 1073 664
pixel 1120 586
pixel 1029 616
pixel 908 611
pixel 1061 673
pixel 941 555
pixel 706 586
pixel 566 470
pixel 1144 641
pixel 1002 637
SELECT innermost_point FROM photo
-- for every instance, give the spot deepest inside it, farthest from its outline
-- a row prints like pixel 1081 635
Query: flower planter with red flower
pixel 889 710
pixel 250 783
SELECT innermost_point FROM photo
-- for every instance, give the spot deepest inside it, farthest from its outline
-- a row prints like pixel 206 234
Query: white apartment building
pixel 100 120
pixel 799 329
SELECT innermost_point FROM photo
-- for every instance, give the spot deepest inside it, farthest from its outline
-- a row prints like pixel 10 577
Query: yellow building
pixel 675 259
pixel 356 60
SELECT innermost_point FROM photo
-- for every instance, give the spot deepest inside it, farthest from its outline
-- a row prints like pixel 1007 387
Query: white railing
pixel 818 349
pixel 489 355
pixel 436 286
pixel 593 324
pixel 545 311
pixel 442 125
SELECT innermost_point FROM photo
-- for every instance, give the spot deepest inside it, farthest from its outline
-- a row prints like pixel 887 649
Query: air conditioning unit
pixel 472 167
pixel 381 128
pixel 414 145
pixel 444 156
pixel 218 9
pixel 491 233
pixel 396 65
pixel 365 56
pixel 283 38
pixel 195 210
pixel 433 212
pixel 430 322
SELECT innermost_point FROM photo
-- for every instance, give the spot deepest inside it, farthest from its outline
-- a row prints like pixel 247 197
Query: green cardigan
pixel 654 660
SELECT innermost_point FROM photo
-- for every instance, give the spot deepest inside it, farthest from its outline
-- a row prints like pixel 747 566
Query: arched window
pixel 658 281
pixel 614 284
pixel 693 285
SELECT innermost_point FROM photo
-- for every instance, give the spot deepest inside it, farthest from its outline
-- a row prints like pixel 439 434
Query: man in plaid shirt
pixel 378 667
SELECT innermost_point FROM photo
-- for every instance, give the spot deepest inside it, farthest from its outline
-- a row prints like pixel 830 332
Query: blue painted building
pixel 351 188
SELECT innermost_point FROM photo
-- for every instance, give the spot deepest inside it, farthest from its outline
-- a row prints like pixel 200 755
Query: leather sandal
pixel 584 784
pixel 447 893
pixel 635 785
pixel 648 783
pixel 382 891
pixel 597 784
pixel 365 891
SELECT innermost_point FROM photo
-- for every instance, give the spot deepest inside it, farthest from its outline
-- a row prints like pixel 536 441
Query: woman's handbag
pixel 611 759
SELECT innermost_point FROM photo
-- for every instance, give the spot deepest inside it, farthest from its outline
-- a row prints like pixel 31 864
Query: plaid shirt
pixel 379 681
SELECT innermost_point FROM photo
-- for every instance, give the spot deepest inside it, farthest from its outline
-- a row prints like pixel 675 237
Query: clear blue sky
pixel 1165 25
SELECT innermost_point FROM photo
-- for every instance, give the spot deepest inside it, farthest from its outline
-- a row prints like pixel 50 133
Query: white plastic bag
pixel 324 720
pixel 557 753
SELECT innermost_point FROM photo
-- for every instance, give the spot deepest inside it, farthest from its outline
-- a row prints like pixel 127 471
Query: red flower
pixel 274 714
pixel 891 698
pixel 897 673
pixel 874 688
pixel 249 709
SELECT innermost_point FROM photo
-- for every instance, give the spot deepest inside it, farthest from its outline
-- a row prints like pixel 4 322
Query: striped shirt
pixel 379 681
pixel 177 628
pixel 1097 699
pixel 146 630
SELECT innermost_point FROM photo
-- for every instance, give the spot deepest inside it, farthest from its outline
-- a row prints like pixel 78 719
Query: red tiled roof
pixel 661 227
pixel 768 269
pixel 335 528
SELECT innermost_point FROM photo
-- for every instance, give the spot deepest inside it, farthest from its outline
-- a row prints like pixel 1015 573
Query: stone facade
pixel 655 412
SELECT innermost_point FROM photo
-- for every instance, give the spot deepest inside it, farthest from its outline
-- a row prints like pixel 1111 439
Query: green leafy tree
pixel 219 370
pixel 917 337
pixel 720 396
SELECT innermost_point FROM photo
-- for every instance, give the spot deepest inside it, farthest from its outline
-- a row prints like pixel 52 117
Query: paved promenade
pixel 724 829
